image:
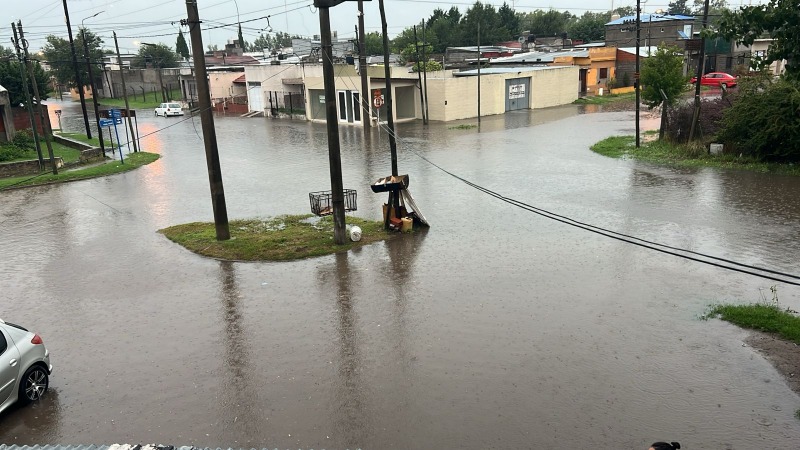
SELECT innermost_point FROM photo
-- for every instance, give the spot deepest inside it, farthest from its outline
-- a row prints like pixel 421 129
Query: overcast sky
pixel 151 20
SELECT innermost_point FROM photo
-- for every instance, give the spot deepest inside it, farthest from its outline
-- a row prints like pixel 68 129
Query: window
pixel 603 73
pixel 3 343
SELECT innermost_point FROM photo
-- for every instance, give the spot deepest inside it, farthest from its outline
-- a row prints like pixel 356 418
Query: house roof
pixel 647 18
pixel 643 51
pixel 241 79
pixel 232 60
pixel 539 57
pixel 2 89
pixel 501 70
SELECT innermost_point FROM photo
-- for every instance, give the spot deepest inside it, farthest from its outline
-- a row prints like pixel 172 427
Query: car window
pixel 163 105
pixel 3 343
pixel 174 105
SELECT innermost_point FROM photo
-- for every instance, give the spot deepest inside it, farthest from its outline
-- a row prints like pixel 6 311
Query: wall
pixel 30 167
pixel 22 121
pixel 220 84
pixel 138 79
pixel 615 37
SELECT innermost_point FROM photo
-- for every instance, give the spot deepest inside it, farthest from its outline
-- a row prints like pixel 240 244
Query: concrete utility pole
pixel 425 71
pixel 124 89
pixel 28 102
pixel 334 156
pixel 366 109
pixel 45 128
pixel 207 121
pixel 77 73
pixel 700 69
pixel 388 74
pixel 94 88
pixel 479 74
pixel 419 77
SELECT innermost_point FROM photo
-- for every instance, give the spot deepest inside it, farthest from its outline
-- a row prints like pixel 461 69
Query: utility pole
pixel 479 74
pixel 700 69
pixel 366 109
pixel 388 74
pixel 207 121
pixel 334 155
pixel 425 71
pixel 124 89
pixel 45 128
pixel 637 82
pixel 419 77
pixel 77 73
pixel 28 102
pixel 94 92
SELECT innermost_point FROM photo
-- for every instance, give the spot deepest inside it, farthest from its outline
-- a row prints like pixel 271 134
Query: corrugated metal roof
pixel 650 18
pixel 501 70
pixel 539 57
pixel 643 51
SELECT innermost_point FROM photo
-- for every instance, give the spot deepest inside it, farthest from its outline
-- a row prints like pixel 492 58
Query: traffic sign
pixel 106 122
pixel 118 120
pixel 377 101
pixel 115 114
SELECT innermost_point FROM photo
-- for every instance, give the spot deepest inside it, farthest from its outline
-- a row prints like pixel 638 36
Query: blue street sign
pixel 118 120
pixel 115 114
pixel 106 122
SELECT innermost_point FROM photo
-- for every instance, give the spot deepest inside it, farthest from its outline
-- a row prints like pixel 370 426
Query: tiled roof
pixel 241 79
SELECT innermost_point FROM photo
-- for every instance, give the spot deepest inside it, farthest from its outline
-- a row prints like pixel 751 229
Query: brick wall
pixel 22 121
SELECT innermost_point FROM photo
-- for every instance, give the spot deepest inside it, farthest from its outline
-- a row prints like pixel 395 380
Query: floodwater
pixel 495 328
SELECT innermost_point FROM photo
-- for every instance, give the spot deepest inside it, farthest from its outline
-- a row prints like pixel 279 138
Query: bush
pixel 764 121
pixel 10 152
pixel 24 139
pixel 626 79
pixel 611 83
pixel 679 119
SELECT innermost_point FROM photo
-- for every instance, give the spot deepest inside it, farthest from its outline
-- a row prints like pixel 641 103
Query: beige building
pixel 451 95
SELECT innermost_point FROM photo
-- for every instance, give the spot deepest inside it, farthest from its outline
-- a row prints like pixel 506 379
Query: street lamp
pixel 91 84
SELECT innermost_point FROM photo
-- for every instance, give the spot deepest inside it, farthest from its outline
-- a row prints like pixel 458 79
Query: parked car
pixel 717 79
pixel 169 109
pixel 24 365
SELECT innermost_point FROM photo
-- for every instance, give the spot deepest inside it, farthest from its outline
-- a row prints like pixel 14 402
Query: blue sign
pixel 118 120
pixel 115 114
pixel 106 122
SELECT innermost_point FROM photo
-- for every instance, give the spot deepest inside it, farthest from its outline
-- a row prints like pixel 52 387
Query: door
pixel 255 98
pixel 356 107
pixel 583 75
pixel 347 102
pixel 517 94
pixel 9 366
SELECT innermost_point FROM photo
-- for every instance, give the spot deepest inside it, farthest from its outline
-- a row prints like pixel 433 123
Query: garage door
pixel 255 98
pixel 518 93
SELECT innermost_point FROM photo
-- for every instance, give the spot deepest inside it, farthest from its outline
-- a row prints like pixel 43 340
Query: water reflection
pixel 42 419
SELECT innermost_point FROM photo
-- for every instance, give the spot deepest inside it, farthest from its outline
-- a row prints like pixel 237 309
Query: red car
pixel 717 79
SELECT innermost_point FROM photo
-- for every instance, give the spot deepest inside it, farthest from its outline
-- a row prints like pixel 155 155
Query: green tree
pixel 779 19
pixel 624 11
pixel 374 43
pixel 546 23
pixel 492 30
pixel 180 46
pixel 428 66
pixel 154 55
pixel 662 71
pixel 261 43
pixel 58 54
pixel 11 78
pixel 679 7
pixel 509 19
pixel 589 27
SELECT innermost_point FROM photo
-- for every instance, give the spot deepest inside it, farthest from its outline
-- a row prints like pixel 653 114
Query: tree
pixel 679 7
pixel 625 11
pixel 374 43
pixel 154 55
pixel 509 19
pixel 180 46
pixel 589 27
pixel 780 19
pixel 427 66
pixel 11 78
pixel 662 71
pixel 58 54
pixel 546 23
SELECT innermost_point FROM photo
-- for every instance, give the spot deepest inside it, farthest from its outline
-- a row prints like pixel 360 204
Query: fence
pixel 283 102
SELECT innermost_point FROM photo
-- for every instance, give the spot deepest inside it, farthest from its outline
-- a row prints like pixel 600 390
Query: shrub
pixel 611 83
pixel 10 152
pixel 626 79
pixel 679 119
pixel 24 139
pixel 764 121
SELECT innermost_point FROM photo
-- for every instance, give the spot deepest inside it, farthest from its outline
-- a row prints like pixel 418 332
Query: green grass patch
pixel 11 153
pixel 95 141
pixel 282 238
pixel 464 126
pixel 151 100
pixel 605 99
pixel 132 161
pixel 762 317
pixel 685 155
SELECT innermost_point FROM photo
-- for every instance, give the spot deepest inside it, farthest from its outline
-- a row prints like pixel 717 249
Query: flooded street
pixel 495 328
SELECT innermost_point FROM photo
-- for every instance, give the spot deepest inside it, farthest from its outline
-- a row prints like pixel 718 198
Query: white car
pixel 24 365
pixel 169 109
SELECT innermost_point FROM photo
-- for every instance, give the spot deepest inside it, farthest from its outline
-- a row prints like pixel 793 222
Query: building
pixel 656 29
pixel 6 117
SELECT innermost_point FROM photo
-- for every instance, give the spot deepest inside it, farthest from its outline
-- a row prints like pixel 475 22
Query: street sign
pixel 115 114
pixel 377 101
pixel 118 121
pixel 122 113
pixel 106 122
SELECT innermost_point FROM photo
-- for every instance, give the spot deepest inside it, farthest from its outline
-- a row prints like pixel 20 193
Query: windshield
pixel 174 105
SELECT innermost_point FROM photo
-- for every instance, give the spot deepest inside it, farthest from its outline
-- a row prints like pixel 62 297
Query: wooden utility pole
pixel 700 69
pixel 388 73
pixel 94 93
pixel 45 129
pixel 207 121
pixel 28 101
pixel 638 83
pixel 419 77
pixel 425 71
pixel 366 109
pixel 124 89
pixel 334 155
pixel 78 80
pixel 479 74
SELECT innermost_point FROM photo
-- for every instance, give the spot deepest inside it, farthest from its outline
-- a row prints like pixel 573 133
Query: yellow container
pixel 407 225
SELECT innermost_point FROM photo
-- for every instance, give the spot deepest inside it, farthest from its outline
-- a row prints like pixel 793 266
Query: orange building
pixel 596 68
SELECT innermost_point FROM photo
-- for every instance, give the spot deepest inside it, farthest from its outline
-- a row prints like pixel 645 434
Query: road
pixel 495 328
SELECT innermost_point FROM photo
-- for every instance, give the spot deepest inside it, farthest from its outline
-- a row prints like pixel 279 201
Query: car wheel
pixel 34 384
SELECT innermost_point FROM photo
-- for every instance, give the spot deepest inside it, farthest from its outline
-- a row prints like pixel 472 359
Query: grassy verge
pixel 281 238
pixel 69 155
pixel 82 138
pixel 136 102
pixel 762 317
pixel 684 155
pixel 605 99
pixel 132 161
